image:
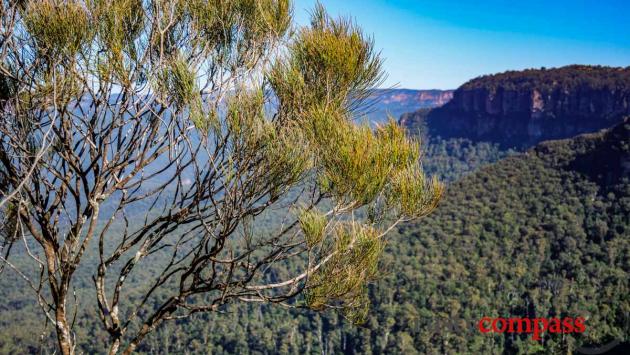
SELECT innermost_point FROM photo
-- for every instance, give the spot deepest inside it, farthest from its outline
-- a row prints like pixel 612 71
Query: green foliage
pixel 283 159
pixel 415 196
pixel 313 224
pixel 342 280
pixel 265 16
pixel 335 53
pixel 357 164
pixel 121 23
pixel 59 28
pixel 178 82
pixel 246 117
pixel 332 53
pixel 256 22
pixel 522 237
pixel 451 159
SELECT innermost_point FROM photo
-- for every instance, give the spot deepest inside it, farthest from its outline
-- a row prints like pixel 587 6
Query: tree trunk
pixel 113 350
pixel 64 337
pixel 59 291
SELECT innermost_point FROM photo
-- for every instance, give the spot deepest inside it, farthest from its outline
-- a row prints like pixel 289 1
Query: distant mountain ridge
pixel 395 102
pixel 422 98
pixel 522 108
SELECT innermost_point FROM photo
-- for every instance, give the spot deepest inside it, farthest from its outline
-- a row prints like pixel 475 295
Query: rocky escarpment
pixel 520 109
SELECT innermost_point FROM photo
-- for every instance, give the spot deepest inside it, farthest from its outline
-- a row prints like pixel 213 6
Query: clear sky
pixel 442 44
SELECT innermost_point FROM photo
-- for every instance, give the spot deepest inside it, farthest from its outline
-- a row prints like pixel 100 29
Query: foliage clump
pixel 252 24
pixel 354 165
pixel 121 22
pixel 331 53
pixel 414 194
pixel 342 281
pixel 58 28
pixel 313 224
pixel 177 81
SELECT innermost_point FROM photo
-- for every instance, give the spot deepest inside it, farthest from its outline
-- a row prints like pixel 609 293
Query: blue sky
pixel 442 44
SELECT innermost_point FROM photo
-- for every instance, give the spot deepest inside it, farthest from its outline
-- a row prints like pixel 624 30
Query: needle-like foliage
pixel 313 224
pixel 342 281
pixel 58 28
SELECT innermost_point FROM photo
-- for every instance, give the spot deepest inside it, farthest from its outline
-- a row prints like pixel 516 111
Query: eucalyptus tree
pixel 135 128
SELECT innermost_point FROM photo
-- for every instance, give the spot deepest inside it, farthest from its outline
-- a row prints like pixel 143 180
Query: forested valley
pixel 535 233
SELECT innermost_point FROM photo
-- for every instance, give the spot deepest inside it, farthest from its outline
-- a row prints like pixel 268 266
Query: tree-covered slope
pixel 535 235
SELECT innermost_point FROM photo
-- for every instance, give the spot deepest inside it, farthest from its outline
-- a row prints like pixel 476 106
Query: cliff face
pixel 520 109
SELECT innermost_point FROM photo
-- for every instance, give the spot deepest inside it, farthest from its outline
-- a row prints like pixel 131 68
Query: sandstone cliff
pixel 520 109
